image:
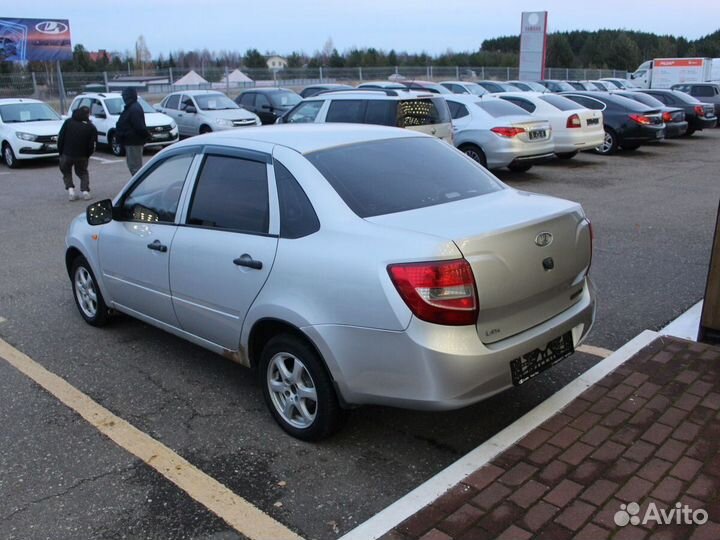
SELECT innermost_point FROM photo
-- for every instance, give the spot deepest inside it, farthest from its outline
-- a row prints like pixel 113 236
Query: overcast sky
pixel 284 26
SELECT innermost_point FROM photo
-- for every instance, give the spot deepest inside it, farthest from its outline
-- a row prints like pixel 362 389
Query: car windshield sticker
pixel 25 116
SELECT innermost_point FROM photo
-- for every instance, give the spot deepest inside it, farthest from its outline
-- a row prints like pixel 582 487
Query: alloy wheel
pixel 292 390
pixel 85 292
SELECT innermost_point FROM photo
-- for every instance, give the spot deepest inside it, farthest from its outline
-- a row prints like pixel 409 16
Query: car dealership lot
pixel 653 213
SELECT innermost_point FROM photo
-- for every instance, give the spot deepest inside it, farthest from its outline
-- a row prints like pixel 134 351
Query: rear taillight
pixel 441 292
pixel 507 131
pixel 640 119
pixel 699 109
pixel 573 121
pixel 667 117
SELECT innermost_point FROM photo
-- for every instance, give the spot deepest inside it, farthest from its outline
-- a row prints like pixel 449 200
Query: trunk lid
pixel 535 130
pixel 498 234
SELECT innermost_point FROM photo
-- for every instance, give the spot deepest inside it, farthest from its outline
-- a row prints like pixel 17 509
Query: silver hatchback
pixel 348 264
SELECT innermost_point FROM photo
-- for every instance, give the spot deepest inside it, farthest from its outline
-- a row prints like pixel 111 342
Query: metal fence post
pixel 107 86
pixel 457 73
pixel 360 72
pixel 482 72
pixel 227 80
pixel 61 87
pixel 508 75
pixel 34 80
pixel 170 73
pixel 321 74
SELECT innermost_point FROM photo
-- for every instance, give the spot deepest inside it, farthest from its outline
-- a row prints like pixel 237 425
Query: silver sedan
pixel 348 264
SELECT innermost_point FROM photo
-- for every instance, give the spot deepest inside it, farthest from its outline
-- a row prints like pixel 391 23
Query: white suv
pixel 28 130
pixel 427 113
pixel 105 109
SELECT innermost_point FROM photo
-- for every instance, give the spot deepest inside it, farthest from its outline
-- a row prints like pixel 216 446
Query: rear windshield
pixel 559 102
pixel 383 177
pixel 645 99
pixel 422 112
pixel 499 107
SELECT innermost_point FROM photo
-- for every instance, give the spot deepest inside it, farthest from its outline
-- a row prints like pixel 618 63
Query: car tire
pixel 566 155
pixel 690 131
pixel 9 156
pixel 88 298
pixel 519 167
pixel 474 152
pixel 116 147
pixel 205 129
pixel 289 369
pixel 610 145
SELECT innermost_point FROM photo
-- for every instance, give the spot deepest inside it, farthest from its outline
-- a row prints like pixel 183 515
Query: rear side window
pixel 231 194
pixel 702 91
pixel 382 112
pixel 395 175
pixel 559 102
pixel 422 112
pixel 297 215
pixel 457 110
pixel 347 110
pixel 499 107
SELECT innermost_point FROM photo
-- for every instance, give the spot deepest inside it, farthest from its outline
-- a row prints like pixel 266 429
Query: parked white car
pixel 28 130
pixel 498 134
pixel 575 128
pixel 105 109
pixel 464 87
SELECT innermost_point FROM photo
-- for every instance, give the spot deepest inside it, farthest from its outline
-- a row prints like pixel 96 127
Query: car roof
pixel 13 101
pixel 372 93
pixel 707 83
pixel 100 95
pixel 268 90
pixel 459 82
pixel 196 92
pixel 304 138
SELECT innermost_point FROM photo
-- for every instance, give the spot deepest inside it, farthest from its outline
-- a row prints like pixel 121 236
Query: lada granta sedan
pixel 347 264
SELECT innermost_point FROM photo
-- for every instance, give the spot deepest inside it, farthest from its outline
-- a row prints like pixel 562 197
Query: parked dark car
pixel 674 117
pixel 268 103
pixel 556 86
pixel 628 123
pixel 425 86
pixel 699 115
pixel 705 92
pixel 528 86
pixel 315 89
pixel 495 86
pixel 581 85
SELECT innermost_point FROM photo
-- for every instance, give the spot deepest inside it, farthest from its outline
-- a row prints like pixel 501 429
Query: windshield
pixel 116 105
pixel 561 86
pixel 284 100
pixel 536 87
pixel 396 175
pixel 214 102
pixel 476 89
pixel 27 112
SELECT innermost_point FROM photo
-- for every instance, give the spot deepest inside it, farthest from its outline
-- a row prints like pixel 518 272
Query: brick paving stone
pixel 712 401
pixel 576 515
pixel 615 418
pixel 460 520
pixel 455 497
pixel 594 393
pixel 632 404
pixel 588 472
pixel 500 518
pixel 434 534
pixel 563 493
pixel 553 531
pixel 639 451
pixel 605 517
pixel 621 470
pixel 553 472
pixel 510 457
pixel 475 533
pixel 686 468
pixel 538 516
pixel 671 450
pixel 627 435
pixel 700 415
pixel 663 357
pixel 535 438
pixel 702 450
pixel 518 474
pixel 636 379
pixel 704 487
pixel 687 401
pixel 544 454
pixel 611 380
pixel 621 392
pixel 634 490
pixel 631 533
pixel 700 388
pixel 482 478
pixel 491 495
pixel 686 432
pixel 709 531
pixel 565 437
pixel 393 535
pixel 528 494
pixel 596 435
pixel 687 376
pixel 576 453
pixel 647 390
pixel 668 490
pixel 515 533
pixel 585 421
pixel 418 524
pixel 604 405
pixel 576 407
pixel 557 422
pixel 654 470
pixel 599 492
pixel 672 417
pixel 609 451
pixel 643 418
pixel 656 434
pixel 592 532
pixel 658 403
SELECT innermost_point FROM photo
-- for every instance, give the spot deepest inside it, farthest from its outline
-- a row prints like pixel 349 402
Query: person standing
pixel 131 130
pixel 76 143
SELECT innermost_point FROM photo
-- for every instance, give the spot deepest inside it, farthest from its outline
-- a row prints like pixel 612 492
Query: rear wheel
pixel 115 145
pixel 610 145
pixel 566 155
pixel 474 152
pixel 298 390
pixel 88 298
pixel 9 156
pixel 520 167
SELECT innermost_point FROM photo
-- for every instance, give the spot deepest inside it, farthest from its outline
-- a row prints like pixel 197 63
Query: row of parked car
pixel 512 124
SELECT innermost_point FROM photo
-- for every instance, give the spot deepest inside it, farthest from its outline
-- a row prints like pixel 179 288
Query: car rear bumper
pixel 434 367
pixel 675 129
pixel 501 153
pixel 575 140
pixel 704 122
pixel 642 134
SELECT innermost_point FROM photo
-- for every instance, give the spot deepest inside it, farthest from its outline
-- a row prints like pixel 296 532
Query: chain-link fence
pixel 60 87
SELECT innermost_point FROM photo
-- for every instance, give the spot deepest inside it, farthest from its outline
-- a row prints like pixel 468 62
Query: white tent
pixel 235 77
pixel 190 79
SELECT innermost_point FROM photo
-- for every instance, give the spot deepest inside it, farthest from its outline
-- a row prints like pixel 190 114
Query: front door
pixel 223 253
pixel 186 121
pixel 135 249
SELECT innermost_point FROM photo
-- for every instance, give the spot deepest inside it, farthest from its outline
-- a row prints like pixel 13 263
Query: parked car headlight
pixel 25 136
pixel 257 121
pixel 223 122
pixel 173 125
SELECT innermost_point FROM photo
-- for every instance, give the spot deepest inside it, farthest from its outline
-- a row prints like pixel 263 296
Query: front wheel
pixel 610 145
pixel 475 153
pixel 9 156
pixel 205 129
pixel 116 146
pixel 298 390
pixel 88 298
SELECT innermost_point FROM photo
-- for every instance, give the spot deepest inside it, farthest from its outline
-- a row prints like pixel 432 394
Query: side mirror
pixel 190 109
pixel 99 213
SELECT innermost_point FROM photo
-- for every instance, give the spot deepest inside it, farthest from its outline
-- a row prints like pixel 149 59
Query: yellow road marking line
pixel 240 514
pixel 595 351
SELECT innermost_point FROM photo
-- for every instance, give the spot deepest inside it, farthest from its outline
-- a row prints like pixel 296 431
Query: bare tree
pixel 142 53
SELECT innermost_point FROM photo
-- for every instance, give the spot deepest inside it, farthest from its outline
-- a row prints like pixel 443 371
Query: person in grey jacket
pixel 76 143
pixel 131 130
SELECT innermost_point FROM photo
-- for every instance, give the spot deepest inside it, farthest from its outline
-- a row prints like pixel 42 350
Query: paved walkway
pixel 649 432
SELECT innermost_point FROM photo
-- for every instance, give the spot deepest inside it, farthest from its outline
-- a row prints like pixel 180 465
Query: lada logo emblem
pixel 543 239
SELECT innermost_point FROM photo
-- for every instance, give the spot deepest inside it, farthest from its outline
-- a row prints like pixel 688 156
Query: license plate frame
pixel 536 361
pixel 593 121
pixel 537 134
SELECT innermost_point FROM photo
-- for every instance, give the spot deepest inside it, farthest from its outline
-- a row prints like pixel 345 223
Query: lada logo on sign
pixel 51 27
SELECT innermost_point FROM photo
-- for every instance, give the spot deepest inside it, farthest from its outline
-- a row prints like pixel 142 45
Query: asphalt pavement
pixel 653 213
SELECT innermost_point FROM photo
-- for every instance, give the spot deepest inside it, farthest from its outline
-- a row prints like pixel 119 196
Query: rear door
pixel 225 248
pixel 426 114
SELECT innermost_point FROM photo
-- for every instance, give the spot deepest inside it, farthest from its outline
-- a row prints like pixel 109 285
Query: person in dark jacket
pixel 131 130
pixel 76 143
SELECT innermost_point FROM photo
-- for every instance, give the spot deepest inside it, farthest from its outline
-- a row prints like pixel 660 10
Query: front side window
pixel 155 198
pixel 96 108
pixel 261 101
pixel 247 100
pixel 305 113
pixel 172 102
pixel 231 194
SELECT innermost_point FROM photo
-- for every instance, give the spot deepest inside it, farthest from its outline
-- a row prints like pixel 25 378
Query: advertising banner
pixel 533 45
pixel 34 40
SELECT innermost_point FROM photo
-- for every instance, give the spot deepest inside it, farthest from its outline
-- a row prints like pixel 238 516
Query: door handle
pixel 246 260
pixel 157 246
